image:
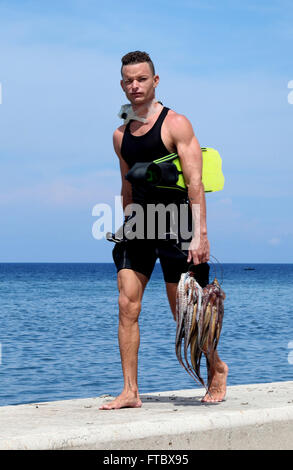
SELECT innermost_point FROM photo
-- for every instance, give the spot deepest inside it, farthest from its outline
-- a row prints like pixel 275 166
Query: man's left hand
pixel 199 250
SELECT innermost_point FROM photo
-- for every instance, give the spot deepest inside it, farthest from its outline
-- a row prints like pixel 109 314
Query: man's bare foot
pixel 217 384
pixel 124 400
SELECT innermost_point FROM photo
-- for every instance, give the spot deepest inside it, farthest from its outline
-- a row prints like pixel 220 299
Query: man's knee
pixel 129 309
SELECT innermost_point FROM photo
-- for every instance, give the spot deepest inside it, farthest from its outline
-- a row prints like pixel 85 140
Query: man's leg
pixel 217 369
pixel 131 286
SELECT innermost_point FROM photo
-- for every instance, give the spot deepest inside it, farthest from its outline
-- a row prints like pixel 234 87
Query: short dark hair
pixel 137 57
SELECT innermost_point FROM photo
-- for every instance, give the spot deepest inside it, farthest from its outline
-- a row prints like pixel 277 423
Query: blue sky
pixel 225 65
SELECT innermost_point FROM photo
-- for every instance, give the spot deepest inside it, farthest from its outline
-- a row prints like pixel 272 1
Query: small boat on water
pixel 249 269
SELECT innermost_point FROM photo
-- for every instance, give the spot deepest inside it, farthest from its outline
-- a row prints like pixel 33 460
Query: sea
pixel 59 323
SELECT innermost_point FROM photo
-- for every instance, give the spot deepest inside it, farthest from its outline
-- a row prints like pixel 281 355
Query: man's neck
pixel 146 110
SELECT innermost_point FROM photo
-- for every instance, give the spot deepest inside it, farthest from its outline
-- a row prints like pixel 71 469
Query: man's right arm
pixel 126 190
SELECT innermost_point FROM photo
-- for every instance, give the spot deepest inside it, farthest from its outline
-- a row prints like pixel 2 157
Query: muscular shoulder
pixel 179 127
pixel 117 138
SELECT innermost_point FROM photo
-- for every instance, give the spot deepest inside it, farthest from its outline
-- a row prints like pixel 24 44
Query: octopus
pixel 199 318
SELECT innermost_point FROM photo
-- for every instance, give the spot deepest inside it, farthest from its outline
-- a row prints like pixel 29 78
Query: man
pixel 157 131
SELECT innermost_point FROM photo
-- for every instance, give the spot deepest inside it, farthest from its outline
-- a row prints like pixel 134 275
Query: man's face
pixel 139 83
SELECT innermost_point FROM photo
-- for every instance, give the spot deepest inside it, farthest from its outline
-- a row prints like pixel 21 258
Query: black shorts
pixel 141 256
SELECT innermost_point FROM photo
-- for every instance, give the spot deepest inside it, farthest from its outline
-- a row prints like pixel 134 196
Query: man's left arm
pixel 190 155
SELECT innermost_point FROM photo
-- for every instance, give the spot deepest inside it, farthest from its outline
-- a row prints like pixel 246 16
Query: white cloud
pixel 67 192
pixel 274 241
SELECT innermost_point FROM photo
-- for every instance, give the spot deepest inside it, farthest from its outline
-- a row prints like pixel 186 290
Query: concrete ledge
pixel 256 416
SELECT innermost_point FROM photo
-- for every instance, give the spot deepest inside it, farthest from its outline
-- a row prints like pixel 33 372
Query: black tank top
pixel 147 148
